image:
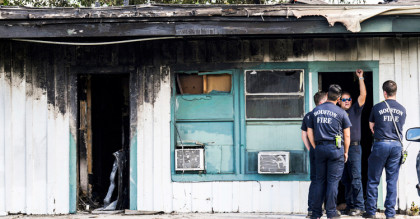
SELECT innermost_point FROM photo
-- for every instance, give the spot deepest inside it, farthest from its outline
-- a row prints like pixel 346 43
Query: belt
pixel 354 143
pixel 384 140
pixel 324 142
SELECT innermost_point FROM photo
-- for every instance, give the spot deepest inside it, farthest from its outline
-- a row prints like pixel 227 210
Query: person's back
pixel 329 125
pixel 328 122
pixel 383 128
pixel 386 150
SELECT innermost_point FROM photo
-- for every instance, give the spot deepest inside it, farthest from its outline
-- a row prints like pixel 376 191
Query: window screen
pixel 274 94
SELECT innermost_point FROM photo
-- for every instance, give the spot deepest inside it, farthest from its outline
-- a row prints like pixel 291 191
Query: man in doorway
pixel 386 150
pixel 319 98
pixel 352 175
pixel 328 126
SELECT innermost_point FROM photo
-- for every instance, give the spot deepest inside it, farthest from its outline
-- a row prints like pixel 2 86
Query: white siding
pixel 34 140
pixel 2 141
pixel 398 58
pixel 34 135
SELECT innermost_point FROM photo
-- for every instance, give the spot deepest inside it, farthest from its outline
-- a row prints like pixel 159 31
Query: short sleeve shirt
pixel 328 120
pixel 384 127
pixel 355 116
pixel 305 122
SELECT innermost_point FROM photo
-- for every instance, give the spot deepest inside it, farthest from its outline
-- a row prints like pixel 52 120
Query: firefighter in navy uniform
pixel 386 150
pixel 329 133
pixel 319 98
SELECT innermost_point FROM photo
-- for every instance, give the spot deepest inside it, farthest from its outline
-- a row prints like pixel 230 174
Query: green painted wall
pixel 204 107
pixel 232 141
pixel 273 136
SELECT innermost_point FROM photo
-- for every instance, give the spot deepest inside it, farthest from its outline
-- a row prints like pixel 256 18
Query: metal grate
pixel 189 159
pixel 273 162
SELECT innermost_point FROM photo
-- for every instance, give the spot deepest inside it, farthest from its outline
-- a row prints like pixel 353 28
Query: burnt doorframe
pixel 133 83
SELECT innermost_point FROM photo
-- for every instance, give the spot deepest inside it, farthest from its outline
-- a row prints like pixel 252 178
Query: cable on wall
pixel 94 43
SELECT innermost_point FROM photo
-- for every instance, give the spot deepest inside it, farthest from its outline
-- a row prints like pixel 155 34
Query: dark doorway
pixel 349 82
pixel 103 130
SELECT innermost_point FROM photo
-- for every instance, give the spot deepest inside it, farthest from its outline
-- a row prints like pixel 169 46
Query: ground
pixel 188 216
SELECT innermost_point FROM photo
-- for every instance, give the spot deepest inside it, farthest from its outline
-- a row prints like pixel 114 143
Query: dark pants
pixel 329 169
pixel 352 179
pixel 384 154
pixel 312 187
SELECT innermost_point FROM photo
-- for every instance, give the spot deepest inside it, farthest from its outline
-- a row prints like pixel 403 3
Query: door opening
pixel 103 122
pixel 350 83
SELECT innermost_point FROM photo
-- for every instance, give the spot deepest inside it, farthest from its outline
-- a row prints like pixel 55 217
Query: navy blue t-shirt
pixel 328 120
pixel 305 121
pixel 355 115
pixel 384 127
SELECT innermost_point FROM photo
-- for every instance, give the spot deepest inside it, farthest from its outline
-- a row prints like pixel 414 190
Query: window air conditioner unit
pixel 189 159
pixel 273 162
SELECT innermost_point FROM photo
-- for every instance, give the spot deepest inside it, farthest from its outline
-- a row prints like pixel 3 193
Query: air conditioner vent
pixel 273 162
pixel 189 159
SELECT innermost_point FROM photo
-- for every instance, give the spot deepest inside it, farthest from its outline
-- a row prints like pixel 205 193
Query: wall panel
pixel 37 116
pixel 364 49
pixel 2 133
pixel 34 135
pixel 274 196
pixel 8 126
pixel 29 133
pixel 408 89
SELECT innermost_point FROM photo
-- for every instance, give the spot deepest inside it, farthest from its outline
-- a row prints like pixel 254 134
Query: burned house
pixel 205 102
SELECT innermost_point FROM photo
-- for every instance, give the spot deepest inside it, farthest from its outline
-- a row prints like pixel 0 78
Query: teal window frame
pixel 311 70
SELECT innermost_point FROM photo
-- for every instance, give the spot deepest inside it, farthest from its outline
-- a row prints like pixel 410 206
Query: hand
pixel 346 156
pixel 359 73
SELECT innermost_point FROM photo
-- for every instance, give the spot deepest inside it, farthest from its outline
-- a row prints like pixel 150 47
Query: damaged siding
pixel 2 135
pixel 270 196
pixel 35 132
pixel 38 118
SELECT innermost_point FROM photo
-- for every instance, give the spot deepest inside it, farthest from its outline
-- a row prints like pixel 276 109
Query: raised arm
pixel 362 87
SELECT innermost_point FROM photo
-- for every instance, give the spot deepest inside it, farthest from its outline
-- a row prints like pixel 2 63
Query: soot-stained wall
pixel 38 117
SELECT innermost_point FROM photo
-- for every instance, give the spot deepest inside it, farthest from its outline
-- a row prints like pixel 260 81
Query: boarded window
pixel 204 84
pixel 274 94
pixel 190 83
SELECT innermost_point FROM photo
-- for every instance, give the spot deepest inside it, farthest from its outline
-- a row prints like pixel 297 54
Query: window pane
pixel 274 81
pixel 274 106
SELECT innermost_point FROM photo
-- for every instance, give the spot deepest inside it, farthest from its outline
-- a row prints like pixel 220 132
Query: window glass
pixel 274 81
pixel 274 106
pixel 274 94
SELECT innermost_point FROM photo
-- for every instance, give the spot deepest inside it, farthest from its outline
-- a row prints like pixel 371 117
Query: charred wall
pixel 50 67
pixel 38 100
